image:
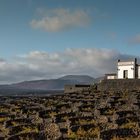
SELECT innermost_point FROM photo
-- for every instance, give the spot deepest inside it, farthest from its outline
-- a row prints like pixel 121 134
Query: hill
pixel 83 79
pixel 54 84
pixel 43 85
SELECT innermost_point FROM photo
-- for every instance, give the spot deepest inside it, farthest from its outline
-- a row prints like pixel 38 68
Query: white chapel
pixel 126 70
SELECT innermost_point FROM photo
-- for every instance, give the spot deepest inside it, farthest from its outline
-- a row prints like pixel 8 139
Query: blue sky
pixel 53 27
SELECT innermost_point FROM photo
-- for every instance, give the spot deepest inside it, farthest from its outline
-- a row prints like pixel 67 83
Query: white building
pixel 111 76
pixel 126 70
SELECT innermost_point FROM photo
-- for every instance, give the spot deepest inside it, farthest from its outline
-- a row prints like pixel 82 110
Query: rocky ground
pixel 85 115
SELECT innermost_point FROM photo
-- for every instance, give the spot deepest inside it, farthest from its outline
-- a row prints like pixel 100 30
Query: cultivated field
pixel 84 115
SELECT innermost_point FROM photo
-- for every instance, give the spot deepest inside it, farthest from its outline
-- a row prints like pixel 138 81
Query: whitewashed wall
pixel 111 77
pixel 138 72
pixel 130 66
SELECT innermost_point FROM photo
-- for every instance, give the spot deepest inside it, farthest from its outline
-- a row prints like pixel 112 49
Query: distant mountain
pixel 52 84
pixel 85 79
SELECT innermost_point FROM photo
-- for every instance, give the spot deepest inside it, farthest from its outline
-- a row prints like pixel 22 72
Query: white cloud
pixel 43 65
pixel 61 19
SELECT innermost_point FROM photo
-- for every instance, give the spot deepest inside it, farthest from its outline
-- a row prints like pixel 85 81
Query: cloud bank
pixel 61 19
pixel 43 65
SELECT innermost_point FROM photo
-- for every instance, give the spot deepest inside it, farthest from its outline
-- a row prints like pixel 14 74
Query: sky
pixel 43 39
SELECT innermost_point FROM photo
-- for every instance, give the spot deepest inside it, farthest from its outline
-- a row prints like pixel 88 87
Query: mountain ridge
pixel 49 84
pixel 54 83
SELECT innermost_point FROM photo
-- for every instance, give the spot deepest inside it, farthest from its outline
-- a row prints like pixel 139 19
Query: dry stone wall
pixel 119 85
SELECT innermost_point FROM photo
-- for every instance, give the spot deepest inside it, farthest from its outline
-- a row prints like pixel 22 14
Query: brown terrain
pixel 88 115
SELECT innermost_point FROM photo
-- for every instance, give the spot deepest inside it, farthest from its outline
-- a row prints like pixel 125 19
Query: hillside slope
pixel 52 84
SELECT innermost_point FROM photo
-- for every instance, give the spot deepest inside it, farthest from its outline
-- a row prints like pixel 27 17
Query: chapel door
pixel 125 74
